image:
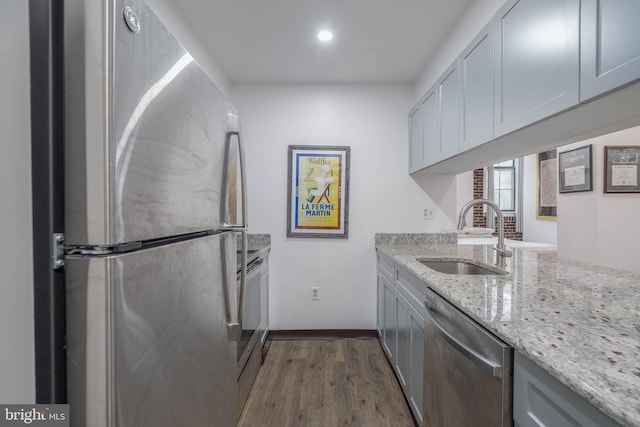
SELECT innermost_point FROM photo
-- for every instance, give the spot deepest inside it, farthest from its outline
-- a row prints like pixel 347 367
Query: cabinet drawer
pixel 386 265
pixel 412 289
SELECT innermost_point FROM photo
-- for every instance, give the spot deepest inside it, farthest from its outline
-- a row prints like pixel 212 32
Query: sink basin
pixel 459 267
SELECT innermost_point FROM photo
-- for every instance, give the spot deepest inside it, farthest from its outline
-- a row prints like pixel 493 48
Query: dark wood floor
pixel 326 383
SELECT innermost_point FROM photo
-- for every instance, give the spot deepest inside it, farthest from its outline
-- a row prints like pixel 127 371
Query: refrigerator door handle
pixel 242 228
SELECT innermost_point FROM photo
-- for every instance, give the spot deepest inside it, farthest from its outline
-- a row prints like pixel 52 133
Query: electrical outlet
pixel 315 293
pixel 427 214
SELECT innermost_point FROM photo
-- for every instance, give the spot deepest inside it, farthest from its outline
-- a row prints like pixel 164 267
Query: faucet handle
pixel 503 251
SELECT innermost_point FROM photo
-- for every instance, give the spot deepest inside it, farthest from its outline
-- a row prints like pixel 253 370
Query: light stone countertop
pixel 258 242
pixel 579 322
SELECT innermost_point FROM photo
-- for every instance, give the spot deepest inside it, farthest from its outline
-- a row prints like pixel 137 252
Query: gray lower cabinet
pixel 416 363
pixel 402 335
pixel 264 302
pixel 386 316
pixel 401 315
pixel 410 352
pixel 389 331
pixel 476 90
pixel 380 301
pixel 540 400
pixel 610 52
pixel 537 61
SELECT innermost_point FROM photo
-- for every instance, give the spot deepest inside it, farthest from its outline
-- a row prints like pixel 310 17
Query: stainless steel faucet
pixel 501 249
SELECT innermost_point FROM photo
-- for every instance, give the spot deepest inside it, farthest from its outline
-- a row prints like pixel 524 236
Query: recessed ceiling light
pixel 325 36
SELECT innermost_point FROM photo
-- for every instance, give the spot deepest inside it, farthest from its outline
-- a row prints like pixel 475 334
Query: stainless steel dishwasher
pixel 468 372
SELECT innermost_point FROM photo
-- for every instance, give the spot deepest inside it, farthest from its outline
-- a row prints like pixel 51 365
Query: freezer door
pixel 148 133
pixel 148 342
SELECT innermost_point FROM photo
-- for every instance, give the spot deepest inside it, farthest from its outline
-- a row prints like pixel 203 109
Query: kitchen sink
pixel 460 267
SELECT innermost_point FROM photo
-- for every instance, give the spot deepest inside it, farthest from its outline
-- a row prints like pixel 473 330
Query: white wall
pixel 533 229
pixel 601 228
pixel 17 357
pixel 464 183
pixel 372 120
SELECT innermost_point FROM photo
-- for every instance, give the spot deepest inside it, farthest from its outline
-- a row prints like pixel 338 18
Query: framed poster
pixel 575 170
pixel 622 167
pixel 547 182
pixel 318 191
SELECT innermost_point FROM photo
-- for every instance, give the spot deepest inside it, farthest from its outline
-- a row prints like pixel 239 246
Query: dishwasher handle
pixel 489 366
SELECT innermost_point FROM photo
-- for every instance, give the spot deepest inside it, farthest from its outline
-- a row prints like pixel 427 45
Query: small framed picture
pixel 547 182
pixel 622 166
pixel 575 170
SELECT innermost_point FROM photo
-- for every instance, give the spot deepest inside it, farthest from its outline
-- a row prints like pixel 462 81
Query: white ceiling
pixel 275 40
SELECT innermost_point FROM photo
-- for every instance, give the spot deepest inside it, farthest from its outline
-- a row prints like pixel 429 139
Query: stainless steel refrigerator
pixel 152 158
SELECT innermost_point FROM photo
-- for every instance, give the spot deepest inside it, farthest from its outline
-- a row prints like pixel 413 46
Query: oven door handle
pixel 489 366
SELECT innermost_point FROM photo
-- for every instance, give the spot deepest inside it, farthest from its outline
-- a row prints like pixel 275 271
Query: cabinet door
pixel 416 147
pixel 448 127
pixel 540 400
pixel 380 310
pixel 264 302
pixel 536 61
pixel 403 341
pixel 610 51
pixel 416 363
pixel 389 332
pixel 476 90
pixel 429 127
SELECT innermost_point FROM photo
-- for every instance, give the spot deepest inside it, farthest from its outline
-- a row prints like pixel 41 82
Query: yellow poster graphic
pixel 318 195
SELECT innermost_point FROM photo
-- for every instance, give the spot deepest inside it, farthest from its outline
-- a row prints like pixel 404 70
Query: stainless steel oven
pixel 468 372
pixel 254 322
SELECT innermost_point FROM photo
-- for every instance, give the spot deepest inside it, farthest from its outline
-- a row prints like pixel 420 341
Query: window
pixel 504 185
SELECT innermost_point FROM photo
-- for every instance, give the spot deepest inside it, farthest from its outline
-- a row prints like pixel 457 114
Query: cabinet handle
pixel 487 365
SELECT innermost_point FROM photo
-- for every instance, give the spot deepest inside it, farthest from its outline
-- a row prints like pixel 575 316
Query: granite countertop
pixel 258 242
pixel 579 322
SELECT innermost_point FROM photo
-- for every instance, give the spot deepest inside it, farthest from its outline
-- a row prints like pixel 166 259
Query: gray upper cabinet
pixel 540 74
pixel 429 126
pixel 423 120
pixel 448 127
pixel 476 86
pixel 536 61
pixel 416 148
pixel 610 51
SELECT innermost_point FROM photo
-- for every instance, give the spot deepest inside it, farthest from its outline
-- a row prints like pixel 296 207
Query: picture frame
pixel 547 186
pixel 575 168
pixel 622 169
pixel 318 191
